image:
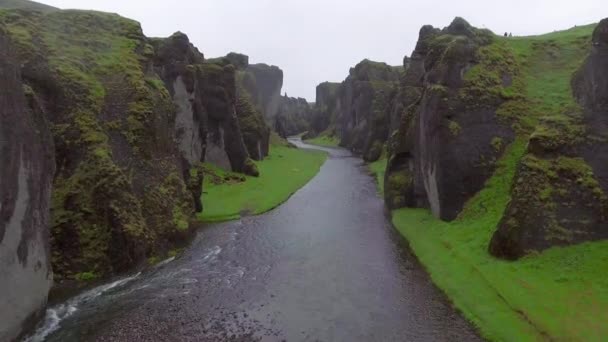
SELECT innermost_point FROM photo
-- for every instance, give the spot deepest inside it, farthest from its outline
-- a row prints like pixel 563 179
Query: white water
pixel 58 313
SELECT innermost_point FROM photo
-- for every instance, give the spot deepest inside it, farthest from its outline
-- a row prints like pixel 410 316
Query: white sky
pixel 319 40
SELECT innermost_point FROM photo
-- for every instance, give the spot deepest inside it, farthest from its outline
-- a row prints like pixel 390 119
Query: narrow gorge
pixel 151 192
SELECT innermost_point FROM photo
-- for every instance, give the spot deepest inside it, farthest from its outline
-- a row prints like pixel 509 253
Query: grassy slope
pixel 561 294
pixel 324 140
pixel 378 169
pixel 26 5
pixel 282 173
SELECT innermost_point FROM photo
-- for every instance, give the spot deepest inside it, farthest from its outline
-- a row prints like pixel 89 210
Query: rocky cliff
pixel 119 194
pixel 362 123
pixel 258 89
pixel 450 135
pixel 325 110
pixel 26 172
pixel 264 82
pixel 559 194
pixel 293 116
pixel 205 94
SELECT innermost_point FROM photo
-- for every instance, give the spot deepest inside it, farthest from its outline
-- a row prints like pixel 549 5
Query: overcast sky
pixel 319 40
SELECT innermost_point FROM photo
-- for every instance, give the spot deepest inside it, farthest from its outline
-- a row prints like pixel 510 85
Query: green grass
pixel 378 169
pixel 282 173
pixel 324 140
pixel 560 294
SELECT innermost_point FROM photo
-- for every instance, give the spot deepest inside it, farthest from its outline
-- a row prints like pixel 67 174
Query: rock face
pixel 253 102
pixel 207 126
pixel 293 116
pixel 264 82
pixel 362 123
pixel 449 136
pixel 325 110
pixel 559 195
pixel 256 134
pixel 119 194
pixel 26 172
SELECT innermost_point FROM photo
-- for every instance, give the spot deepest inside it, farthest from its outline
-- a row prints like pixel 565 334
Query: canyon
pixel 113 144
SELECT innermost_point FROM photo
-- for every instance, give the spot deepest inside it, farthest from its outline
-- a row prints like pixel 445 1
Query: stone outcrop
pixel 362 123
pixel 449 136
pixel 119 194
pixel 256 133
pixel 325 110
pixel 293 116
pixel 205 94
pixel 263 83
pixel 26 172
pixel 253 103
pixel 559 194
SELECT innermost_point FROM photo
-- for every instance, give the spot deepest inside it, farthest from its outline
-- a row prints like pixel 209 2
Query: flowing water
pixel 324 266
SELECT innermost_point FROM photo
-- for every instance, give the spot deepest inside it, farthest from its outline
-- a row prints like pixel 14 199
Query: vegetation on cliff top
pixel 227 196
pixel 91 65
pixel 560 293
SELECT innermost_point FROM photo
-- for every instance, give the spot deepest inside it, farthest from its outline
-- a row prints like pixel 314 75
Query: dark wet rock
pixel 263 83
pixel 239 60
pixel 325 110
pixel 26 172
pixel 256 134
pixel 363 121
pixel 118 194
pixel 205 94
pixel 293 116
pixel 448 137
pixel 559 195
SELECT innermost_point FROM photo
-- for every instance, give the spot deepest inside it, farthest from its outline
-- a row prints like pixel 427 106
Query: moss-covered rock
pixel 293 116
pixel 26 173
pixel 112 122
pixel 256 133
pixel 205 93
pixel 447 102
pixel 559 193
pixel 359 109
pixel 325 110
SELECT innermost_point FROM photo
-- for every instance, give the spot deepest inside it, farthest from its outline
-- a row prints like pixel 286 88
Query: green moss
pixel 378 169
pixel 454 127
pixel 396 186
pixel 153 260
pixel 95 63
pixel 324 139
pixel 497 143
pixel 85 276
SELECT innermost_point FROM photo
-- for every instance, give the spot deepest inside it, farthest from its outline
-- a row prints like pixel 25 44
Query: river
pixel 324 266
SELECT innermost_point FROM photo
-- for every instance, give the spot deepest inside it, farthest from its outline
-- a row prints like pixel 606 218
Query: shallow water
pixel 324 266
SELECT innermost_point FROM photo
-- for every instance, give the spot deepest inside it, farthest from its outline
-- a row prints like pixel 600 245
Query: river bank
pixel 325 265
pixel 228 196
pixel 555 295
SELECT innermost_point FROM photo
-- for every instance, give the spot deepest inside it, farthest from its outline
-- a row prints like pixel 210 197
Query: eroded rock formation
pixel 362 123
pixel 325 109
pixel 119 194
pixel 559 194
pixel 205 93
pixel 293 116
pixel 449 136
pixel 26 172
